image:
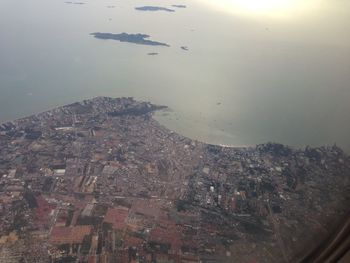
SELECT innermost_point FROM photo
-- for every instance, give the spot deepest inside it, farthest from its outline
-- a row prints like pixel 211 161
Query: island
pixel 75 3
pixel 153 8
pixel 102 181
pixel 131 38
pixel 179 6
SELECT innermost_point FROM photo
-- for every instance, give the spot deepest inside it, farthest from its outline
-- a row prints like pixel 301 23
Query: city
pixel 102 181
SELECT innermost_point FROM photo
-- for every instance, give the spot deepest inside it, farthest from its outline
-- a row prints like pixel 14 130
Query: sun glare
pixel 273 8
pixel 264 5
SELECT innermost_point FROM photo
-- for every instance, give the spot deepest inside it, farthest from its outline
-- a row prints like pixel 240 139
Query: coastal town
pixel 102 181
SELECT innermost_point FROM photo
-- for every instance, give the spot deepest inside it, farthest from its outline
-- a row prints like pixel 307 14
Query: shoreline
pixel 163 108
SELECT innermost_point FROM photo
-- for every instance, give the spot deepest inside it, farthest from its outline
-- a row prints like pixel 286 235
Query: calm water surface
pixel 248 76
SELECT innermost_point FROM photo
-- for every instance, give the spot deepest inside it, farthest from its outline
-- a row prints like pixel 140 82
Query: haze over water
pixel 249 76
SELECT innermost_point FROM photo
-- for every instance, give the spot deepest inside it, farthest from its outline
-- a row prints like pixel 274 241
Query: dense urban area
pixel 102 181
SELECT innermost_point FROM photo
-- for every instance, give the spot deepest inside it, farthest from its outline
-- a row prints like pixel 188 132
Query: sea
pixel 236 72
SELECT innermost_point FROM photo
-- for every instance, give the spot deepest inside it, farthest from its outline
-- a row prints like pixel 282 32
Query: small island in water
pixel 131 38
pixel 154 8
pixel 179 6
pixel 74 3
